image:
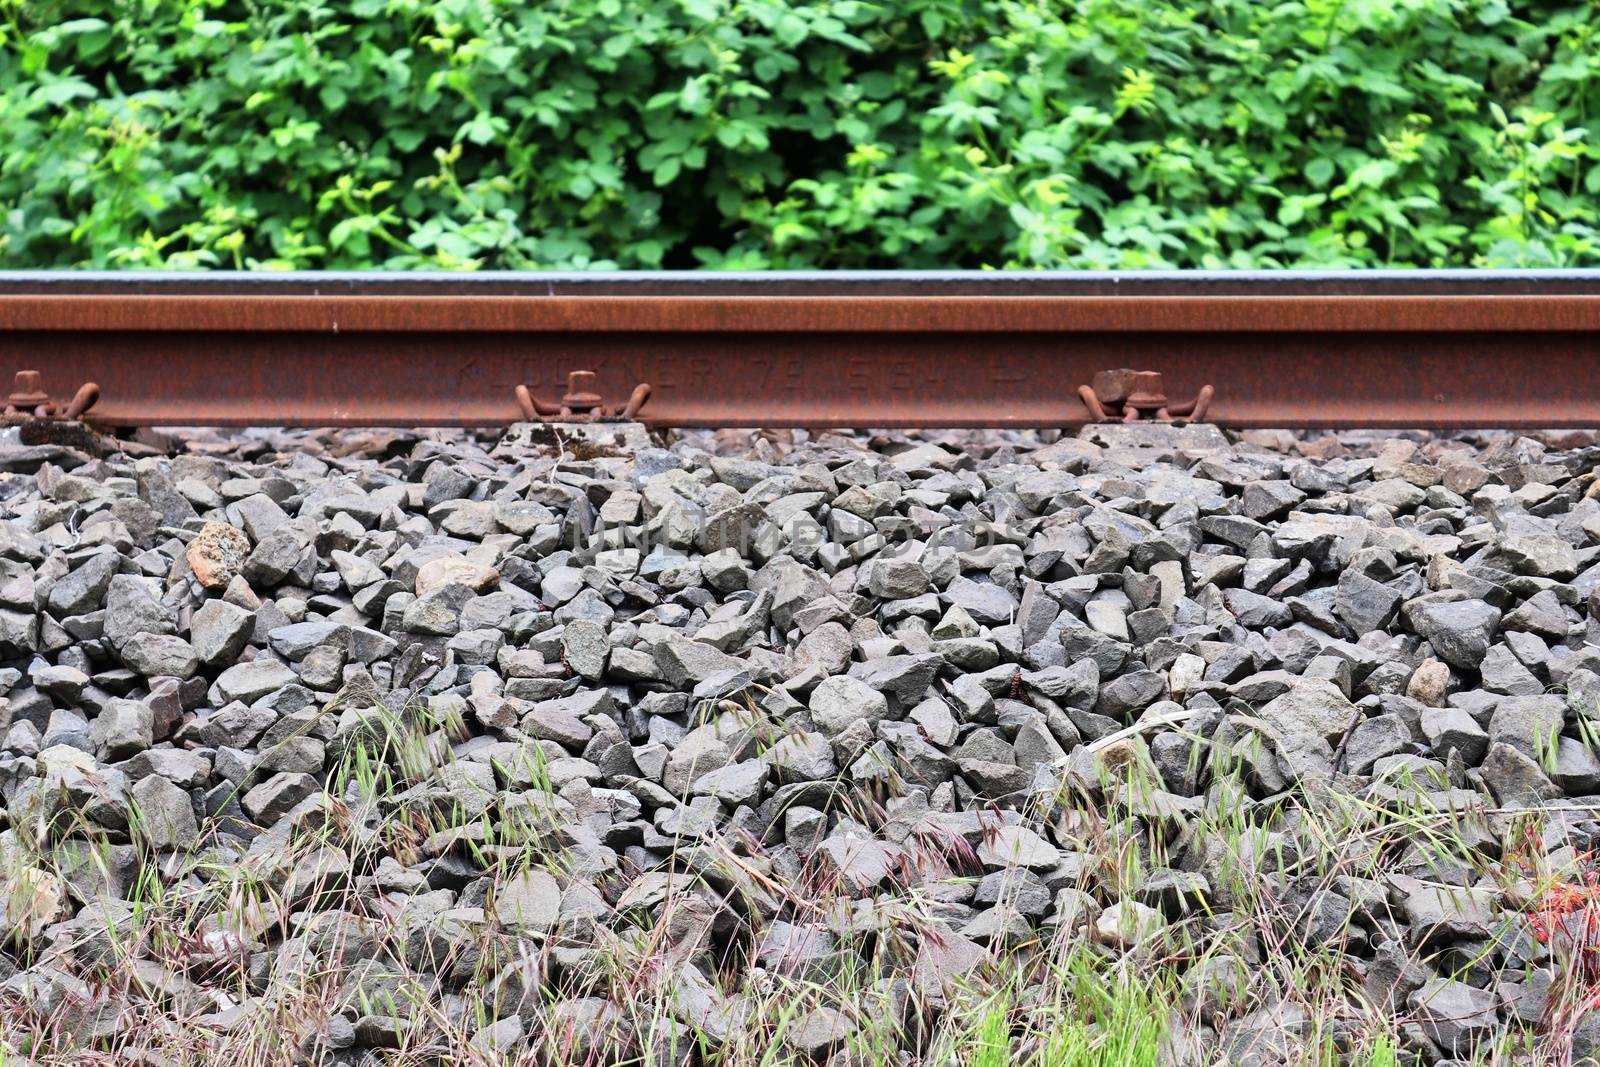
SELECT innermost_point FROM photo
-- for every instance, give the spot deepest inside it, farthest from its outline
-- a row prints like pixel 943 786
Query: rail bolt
pixel 1148 394
pixel 27 391
pixel 581 397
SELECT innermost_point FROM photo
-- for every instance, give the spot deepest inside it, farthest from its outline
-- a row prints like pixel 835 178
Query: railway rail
pixel 1445 349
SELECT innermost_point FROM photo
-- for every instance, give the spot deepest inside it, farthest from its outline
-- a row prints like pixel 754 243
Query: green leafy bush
pixel 787 134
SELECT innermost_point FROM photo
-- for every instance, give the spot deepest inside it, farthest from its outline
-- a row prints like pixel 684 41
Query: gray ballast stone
pixel 585 648
pixel 1365 605
pixel 83 588
pixel 1455 1016
pixel 132 608
pixel 1455 730
pixel 165 814
pixel 160 655
pixel 1459 630
pixel 272 799
pixel 839 703
pixel 572 690
pixel 1314 707
pixel 904 679
pixel 248 682
pixel 898 579
pixel 298 640
pixel 219 631
pixel 528 902
pixel 123 728
pixel 738 783
pixel 684 663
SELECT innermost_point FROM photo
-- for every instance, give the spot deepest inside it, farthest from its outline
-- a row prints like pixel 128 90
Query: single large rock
pixel 1017 846
pixel 986 602
pixel 217 554
pixel 1128 924
pixel 31 900
pixel 1515 778
pixel 124 728
pixel 1543 555
pixel 19 631
pixel 272 799
pixel 585 648
pixel 685 664
pixel 839 703
pixel 160 655
pixel 1429 683
pixel 828 648
pixel 1459 630
pixel 1314 707
pixel 298 640
pixel 902 679
pixel 560 720
pixel 85 585
pixel 248 682
pixel 133 608
pixel 1364 604
pixel 528 902
pixel 273 557
pixel 219 631
pixel 1456 1016
pixel 894 578
pixel 1455 730
pixel 455 570
pixel 802 757
pixel 738 783
pixel 1529 724
pixel 165 814
pixel 1441 914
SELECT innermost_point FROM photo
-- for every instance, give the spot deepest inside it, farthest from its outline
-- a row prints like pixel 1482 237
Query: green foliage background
pixel 789 134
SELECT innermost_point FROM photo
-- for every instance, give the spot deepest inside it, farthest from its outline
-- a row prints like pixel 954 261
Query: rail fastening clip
pixel 1139 396
pixel 28 400
pixel 581 403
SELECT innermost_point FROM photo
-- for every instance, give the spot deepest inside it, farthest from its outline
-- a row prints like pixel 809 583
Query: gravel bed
pixel 371 747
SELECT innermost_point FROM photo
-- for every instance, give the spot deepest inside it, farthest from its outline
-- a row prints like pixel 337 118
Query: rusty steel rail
pixel 1393 349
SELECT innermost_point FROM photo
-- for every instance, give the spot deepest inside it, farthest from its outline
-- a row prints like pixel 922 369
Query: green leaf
pixel 668 170
pixel 72 27
pixel 482 128
pixel 406 139
pixel 62 91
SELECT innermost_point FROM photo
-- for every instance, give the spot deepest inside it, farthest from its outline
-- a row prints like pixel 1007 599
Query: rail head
pixel 751 314
pixel 1382 283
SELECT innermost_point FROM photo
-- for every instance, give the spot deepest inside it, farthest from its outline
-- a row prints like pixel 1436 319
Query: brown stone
pixel 1428 683
pixel 31 900
pixel 457 570
pixel 216 554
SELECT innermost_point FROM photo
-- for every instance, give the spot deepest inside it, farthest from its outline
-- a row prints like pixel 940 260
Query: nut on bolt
pixel 581 398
